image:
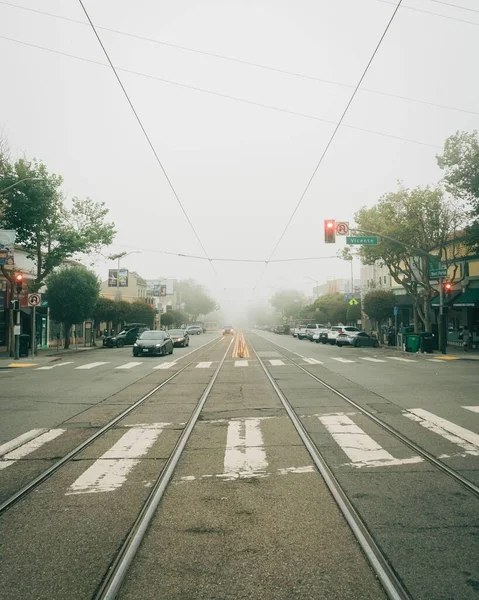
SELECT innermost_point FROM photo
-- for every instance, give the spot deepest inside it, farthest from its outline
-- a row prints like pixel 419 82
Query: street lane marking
pixel 22 365
pixel 433 360
pixel 360 447
pixel 402 359
pixel 276 362
pixel 29 447
pixel 109 472
pixel 165 365
pixel 343 360
pixel 203 365
pixel 313 361
pixel 467 440
pixel 376 360
pixel 241 363
pixel 130 365
pixel 473 408
pixel 447 358
pixel 92 365
pixel 245 455
pixel 21 439
pixel 62 364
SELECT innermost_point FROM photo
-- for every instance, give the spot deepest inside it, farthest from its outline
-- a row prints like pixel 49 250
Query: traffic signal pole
pixel 442 332
pixel 17 331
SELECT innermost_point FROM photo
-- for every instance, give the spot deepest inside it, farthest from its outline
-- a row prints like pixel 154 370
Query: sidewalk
pixel 45 355
pixel 452 353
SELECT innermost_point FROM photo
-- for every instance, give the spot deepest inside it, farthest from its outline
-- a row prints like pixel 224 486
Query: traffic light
pixel 329 231
pixel 448 288
pixel 19 282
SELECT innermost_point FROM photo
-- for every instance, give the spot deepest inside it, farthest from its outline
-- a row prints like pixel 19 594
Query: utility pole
pixel 17 327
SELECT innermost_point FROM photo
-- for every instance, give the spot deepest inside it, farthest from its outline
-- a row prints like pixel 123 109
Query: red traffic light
pixel 19 278
pixel 448 286
pixel 329 231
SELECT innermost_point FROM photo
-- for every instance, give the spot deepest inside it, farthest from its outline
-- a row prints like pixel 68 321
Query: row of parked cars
pixel 341 335
pixel 136 331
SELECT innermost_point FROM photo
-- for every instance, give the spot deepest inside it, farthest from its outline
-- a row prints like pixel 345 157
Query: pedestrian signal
pixel 329 231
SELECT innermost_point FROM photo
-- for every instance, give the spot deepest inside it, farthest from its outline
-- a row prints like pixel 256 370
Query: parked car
pixel 304 332
pixel 310 331
pixel 321 335
pixel 356 339
pixel 194 330
pixel 228 330
pixel 157 343
pixel 126 337
pixel 337 329
pixel 179 337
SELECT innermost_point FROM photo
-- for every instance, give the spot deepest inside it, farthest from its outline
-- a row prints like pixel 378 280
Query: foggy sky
pixel 239 169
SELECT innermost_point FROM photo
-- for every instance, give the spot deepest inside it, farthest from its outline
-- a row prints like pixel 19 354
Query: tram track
pixel 44 475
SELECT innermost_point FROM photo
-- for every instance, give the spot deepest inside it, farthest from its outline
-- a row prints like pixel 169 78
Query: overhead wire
pixel 429 12
pixel 335 131
pixel 474 10
pixel 225 96
pixel 234 60
pixel 150 143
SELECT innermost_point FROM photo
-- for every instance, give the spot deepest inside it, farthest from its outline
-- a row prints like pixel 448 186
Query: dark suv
pixel 126 337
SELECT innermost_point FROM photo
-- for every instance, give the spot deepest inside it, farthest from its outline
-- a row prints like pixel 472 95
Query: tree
pixel 353 313
pixel 140 312
pixel 419 219
pixel 288 303
pixel 333 306
pixel 460 161
pixel 72 295
pixel 378 305
pixel 173 317
pixel 195 299
pixel 45 227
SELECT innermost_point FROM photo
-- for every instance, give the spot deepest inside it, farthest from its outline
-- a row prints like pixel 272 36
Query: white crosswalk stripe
pixel 408 360
pixel 276 362
pixel 313 361
pixel 241 363
pixel 130 365
pixel 342 360
pixel 109 472
pixel 23 450
pixel 436 360
pixel 460 436
pixel 472 408
pixel 203 365
pixel 245 455
pixel 165 365
pixel 375 360
pixel 362 450
pixel 50 367
pixel 92 365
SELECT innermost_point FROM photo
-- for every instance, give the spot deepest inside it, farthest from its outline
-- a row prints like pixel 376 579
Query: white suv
pixel 336 330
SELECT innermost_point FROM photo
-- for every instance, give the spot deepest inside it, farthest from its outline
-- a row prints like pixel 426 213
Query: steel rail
pixel 26 489
pixel 388 578
pixel 118 570
pixel 469 485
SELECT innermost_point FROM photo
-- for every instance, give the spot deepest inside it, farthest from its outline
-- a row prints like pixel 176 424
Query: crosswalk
pixel 141 365
pixel 245 451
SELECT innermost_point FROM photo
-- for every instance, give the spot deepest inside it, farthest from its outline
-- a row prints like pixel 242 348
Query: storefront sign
pixel 7 245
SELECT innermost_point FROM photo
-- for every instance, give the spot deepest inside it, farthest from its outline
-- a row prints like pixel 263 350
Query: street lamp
pixel 118 257
pixel 21 181
pixel 317 285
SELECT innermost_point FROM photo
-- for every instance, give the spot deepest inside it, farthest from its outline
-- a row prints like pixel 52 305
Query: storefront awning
pixel 447 301
pixel 468 298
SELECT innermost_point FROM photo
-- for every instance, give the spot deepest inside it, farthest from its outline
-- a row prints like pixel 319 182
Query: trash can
pixel 427 342
pixel 24 344
pixel 412 342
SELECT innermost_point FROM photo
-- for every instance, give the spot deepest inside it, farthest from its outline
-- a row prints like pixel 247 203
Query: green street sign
pixel 436 273
pixel 365 240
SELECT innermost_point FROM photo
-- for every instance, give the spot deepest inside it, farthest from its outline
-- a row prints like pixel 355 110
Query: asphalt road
pixel 246 515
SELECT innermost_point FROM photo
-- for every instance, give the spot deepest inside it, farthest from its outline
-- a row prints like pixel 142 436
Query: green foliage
pixel 379 304
pixel 140 312
pixel 333 307
pixel 173 318
pixel 353 313
pixel 460 162
pixel 72 295
pixel 419 219
pixel 45 227
pixel 196 301
pixel 288 302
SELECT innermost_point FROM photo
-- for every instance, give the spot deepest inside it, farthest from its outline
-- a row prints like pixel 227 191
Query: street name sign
pixel 34 299
pixel 436 273
pixel 366 240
